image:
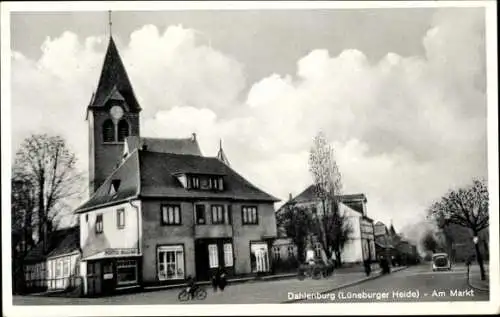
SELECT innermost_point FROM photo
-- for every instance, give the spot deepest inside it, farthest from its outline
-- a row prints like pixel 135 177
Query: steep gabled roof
pixel 158 180
pixel 128 176
pixel 69 243
pixel 177 146
pixel 114 75
pixel 153 174
pixel 60 242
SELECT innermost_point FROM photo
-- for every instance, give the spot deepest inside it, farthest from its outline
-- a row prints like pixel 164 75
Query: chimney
pixel 290 196
pixel 193 137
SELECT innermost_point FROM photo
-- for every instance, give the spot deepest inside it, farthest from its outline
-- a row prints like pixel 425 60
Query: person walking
pixel 222 278
pixel 215 280
pixel 368 267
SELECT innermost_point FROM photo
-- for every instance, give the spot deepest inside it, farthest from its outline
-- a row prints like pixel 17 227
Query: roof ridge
pixel 176 154
pixel 157 138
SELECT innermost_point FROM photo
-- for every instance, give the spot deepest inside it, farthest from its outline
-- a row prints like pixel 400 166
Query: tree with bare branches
pixel 332 227
pixel 467 207
pixel 46 168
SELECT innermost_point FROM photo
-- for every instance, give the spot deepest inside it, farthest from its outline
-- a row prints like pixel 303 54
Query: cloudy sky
pixel 400 93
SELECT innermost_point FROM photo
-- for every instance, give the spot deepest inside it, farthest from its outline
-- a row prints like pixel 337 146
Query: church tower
pixel 112 115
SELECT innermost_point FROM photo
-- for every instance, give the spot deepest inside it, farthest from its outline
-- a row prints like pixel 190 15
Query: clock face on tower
pixel 116 112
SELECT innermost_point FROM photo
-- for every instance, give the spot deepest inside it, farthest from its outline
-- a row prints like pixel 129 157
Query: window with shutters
pixel 108 131
pixel 171 215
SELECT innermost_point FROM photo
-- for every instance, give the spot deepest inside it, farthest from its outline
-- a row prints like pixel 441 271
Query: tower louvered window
pixel 108 131
pixel 123 130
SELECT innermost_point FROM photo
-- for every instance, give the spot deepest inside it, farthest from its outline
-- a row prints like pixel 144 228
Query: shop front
pixel 112 271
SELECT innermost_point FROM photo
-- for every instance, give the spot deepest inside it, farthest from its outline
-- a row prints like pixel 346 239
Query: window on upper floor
pixel 108 131
pixel 171 214
pixel 218 214
pixel 200 215
pixel 99 224
pixel 249 215
pixel 120 218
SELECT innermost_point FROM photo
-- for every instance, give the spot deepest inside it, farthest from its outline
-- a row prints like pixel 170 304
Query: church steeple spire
pixel 221 155
pixel 114 77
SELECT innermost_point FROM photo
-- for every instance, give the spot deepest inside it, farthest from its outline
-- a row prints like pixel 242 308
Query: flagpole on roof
pixel 110 23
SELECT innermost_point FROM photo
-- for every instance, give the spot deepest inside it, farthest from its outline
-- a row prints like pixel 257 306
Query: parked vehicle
pixel 441 262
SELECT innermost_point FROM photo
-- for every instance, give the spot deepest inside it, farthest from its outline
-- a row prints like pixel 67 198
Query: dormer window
pixel 215 183
pixel 195 182
pixel 115 185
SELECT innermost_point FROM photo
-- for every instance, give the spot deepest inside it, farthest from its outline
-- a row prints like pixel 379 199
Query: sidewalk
pixel 474 278
pixel 281 276
pixel 251 292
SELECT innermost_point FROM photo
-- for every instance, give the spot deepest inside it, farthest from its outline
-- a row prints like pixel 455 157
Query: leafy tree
pixel 46 168
pixel 429 242
pixel 467 207
pixel 332 228
pixel 296 223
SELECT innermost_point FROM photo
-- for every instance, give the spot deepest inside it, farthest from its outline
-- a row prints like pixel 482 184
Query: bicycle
pixel 313 271
pixel 199 293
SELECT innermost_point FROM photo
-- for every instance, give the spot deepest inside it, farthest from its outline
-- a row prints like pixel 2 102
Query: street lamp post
pixel 475 239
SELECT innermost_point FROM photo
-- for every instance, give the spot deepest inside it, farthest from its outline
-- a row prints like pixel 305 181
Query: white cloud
pixel 404 128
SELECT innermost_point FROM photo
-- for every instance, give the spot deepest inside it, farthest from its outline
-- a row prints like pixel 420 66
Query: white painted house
pixel 56 267
pixel 361 244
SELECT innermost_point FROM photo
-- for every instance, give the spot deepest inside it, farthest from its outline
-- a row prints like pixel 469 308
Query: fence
pixel 56 284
